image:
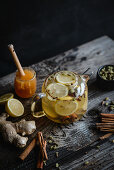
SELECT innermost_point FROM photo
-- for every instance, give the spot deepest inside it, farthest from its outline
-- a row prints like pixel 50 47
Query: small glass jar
pixel 25 86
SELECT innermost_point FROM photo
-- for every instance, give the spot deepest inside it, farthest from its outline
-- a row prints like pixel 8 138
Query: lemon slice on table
pixel 65 108
pixel 4 98
pixel 65 77
pixel 14 108
pixel 57 90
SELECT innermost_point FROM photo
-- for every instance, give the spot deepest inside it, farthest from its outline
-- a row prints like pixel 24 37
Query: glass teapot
pixel 64 97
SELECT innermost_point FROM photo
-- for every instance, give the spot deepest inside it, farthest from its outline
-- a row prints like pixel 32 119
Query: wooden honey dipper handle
pixel 16 60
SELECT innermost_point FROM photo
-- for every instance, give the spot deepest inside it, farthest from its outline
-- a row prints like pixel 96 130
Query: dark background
pixel 40 29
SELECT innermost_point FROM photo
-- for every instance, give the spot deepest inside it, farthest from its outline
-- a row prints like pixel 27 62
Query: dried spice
pixel 51 147
pixel 86 163
pixel 98 146
pixel 107 98
pixel 54 147
pixel 50 141
pixel 111 108
pixel 109 103
pixel 57 165
pixel 53 144
pixel 107 72
pixel 50 137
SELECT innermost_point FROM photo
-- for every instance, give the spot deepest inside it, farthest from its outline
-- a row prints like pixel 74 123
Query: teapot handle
pixel 35 100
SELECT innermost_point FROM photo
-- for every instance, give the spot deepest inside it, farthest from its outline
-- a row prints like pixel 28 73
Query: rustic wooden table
pixel 79 146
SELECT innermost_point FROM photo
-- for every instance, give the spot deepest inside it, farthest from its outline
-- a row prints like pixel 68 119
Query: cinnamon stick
pixel 107 120
pixel 107 115
pixel 28 149
pixel 45 153
pixel 42 153
pixel 106 125
pixel 101 128
pixel 40 162
pixel 105 136
pixel 107 130
pixel 42 144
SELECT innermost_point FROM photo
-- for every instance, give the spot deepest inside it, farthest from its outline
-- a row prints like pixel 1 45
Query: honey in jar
pixel 25 86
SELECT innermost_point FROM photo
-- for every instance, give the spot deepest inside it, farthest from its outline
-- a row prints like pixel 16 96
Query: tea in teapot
pixel 65 96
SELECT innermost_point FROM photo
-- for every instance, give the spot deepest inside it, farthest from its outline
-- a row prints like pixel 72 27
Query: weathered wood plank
pixel 73 138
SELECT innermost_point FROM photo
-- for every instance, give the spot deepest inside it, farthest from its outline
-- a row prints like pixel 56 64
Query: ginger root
pixel 10 130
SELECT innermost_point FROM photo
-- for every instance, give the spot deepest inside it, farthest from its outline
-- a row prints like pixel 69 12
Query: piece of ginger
pixel 10 130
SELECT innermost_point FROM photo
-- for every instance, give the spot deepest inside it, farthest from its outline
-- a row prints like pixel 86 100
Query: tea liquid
pixel 64 109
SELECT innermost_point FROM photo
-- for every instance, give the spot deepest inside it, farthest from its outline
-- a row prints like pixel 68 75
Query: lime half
pixel 65 77
pixel 14 108
pixel 65 108
pixel 4 98
pixel 57 90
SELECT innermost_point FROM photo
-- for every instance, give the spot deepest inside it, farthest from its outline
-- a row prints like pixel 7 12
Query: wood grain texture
pixel 73 140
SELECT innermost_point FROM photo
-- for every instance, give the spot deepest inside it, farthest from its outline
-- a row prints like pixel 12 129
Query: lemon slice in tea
pixel 66 98
pixel 66 77
pixel 14 108
pixel 65 108
pixel 57 90
pixel 4 98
